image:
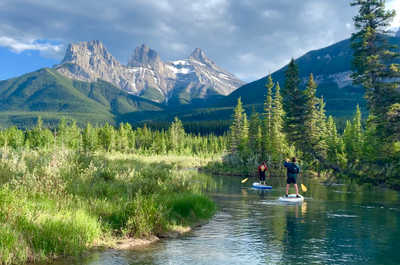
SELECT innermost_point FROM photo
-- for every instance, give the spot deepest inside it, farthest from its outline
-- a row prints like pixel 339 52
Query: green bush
pixel 146 217
pixel 187 208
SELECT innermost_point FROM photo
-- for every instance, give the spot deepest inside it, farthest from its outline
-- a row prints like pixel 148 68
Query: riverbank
pixel 57 202
pixel 228 166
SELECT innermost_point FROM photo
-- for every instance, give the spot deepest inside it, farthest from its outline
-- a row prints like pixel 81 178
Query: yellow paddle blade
pixel 303 187
pixel 244 180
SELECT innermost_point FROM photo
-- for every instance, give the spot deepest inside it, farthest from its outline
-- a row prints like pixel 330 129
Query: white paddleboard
pixel 292 198
pixel 257 185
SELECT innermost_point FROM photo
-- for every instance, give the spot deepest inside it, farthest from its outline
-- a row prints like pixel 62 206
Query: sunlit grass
pixel 58 202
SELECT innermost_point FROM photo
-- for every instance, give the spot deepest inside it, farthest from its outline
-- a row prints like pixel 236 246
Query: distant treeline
pixel 142 140
pixel 217 127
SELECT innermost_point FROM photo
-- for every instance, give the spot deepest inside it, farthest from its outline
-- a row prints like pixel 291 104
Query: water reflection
pixel 339 224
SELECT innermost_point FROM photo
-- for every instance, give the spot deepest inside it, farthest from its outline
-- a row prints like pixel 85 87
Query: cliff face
pixel 146 74
pixel 89 61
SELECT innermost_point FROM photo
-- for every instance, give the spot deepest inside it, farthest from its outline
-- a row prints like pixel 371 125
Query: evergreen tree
pixel 311 135
pixel 353 137
pixel 177 134
pixel 254 141
pixel 335 144
pixel 371 143
pixel 106 137
pixel 61 132
pixel 73 136
pixel 374 60
pixel 244 137
pixel 268 116
pixel 259 147
pixel 236 127
pixel 89 138
pixel 294 106
pixel 278 139
pixel 321 145
pixel 122 138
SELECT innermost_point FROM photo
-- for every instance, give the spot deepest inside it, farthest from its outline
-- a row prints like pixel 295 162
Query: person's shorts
pixel 262 178
pixel 291 180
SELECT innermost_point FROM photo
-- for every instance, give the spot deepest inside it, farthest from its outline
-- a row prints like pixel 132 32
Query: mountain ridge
pixel 48 93
pixel 147 75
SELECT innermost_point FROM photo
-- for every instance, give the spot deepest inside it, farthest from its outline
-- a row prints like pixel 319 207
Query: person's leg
pixel 287 189
pixel 297 189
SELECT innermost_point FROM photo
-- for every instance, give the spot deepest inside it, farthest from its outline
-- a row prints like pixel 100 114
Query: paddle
pixel 244 180
pixel 303 187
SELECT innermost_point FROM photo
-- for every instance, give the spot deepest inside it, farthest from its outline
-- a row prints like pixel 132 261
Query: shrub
pixel 186 208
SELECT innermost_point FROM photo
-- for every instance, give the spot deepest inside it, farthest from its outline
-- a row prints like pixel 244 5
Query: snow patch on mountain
pixel 197 75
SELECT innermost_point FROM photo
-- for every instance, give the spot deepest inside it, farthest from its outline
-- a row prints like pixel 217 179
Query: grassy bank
pixel 58 202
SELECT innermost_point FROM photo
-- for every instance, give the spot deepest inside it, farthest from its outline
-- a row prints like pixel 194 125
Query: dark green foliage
pixel 236 130
pixel 374 153
pixel 268 112
pixel 294 105
pixel 255 133
pixel 375 60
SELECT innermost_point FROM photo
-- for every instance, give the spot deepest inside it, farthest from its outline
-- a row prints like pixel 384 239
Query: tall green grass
pixel 59 202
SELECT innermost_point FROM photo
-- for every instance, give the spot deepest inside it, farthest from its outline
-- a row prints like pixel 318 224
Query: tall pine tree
pixel 374 60
pixel 268 116
pixel 254 140
pixel 293 105
pixel 236 128
pixel 311 136
pixel 278 139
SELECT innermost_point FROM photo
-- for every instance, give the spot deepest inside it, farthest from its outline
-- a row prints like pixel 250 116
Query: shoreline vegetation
pixel 58 203
pixel 70 190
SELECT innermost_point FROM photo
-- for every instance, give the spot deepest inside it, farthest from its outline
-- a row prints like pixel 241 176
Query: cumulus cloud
pixel 248 38
pixel 32 45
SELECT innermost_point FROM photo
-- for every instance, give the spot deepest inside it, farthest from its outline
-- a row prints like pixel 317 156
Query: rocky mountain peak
pixel 146 74
pixel 86 49
pixel 143 55
pixel 199 55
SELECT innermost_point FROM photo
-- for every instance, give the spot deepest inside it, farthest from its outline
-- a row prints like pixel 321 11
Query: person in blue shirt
pixel 292 170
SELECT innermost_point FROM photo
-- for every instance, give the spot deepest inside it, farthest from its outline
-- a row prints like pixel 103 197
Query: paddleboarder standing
pixel 292 169
pixel 262 169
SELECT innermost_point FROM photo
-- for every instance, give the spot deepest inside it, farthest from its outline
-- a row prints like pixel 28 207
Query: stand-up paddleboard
pixel 291 198
pixel 259 186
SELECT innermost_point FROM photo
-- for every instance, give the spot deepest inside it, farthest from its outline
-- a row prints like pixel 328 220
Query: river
pixel 337 224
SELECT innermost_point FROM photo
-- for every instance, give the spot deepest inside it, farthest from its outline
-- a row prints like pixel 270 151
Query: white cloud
pixel 18 46
pixel 395 5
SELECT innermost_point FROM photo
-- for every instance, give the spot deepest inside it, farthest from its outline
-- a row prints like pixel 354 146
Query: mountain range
pixel 89 84
pixel 148 76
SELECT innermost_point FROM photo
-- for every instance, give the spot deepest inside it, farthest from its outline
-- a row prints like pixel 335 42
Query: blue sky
pixel 15 64
pixel 249 38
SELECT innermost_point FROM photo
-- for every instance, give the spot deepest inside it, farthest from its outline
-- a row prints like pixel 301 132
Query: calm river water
pixel 339 224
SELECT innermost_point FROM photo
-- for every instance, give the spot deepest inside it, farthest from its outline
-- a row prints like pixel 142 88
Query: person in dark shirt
pixel 262 169
pixel 292 169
